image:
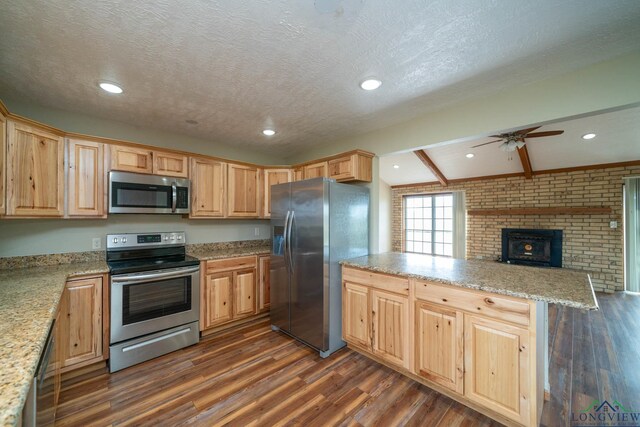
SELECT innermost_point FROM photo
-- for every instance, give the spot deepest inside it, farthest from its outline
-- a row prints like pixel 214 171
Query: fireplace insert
pixel 532 247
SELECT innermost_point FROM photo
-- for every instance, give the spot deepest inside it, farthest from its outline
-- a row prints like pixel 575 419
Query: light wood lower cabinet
pixel 3 163
pixel 439 342
pixel 81 341
pixel 264 283
pixel 228 291
pixel 478 348
pixel 86 179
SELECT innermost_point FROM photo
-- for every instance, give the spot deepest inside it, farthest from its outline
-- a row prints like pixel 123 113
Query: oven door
pixel 151 301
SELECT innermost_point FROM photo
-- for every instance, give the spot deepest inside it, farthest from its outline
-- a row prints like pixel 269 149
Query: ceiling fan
pixel 511 141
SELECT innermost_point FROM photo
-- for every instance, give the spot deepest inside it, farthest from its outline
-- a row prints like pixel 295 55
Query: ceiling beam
pixel 432 166
pixel 526 162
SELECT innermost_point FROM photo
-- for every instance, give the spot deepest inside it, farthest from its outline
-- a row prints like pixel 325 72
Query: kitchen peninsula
pixel 472 330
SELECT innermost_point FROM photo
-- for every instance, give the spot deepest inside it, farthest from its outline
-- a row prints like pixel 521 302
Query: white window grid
pixel 428 224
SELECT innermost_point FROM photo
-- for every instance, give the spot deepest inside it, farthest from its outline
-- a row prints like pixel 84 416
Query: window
pixel 428 224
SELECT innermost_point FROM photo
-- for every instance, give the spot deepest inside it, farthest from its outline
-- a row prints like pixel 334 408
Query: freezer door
pixel 309 250
pixel 279 272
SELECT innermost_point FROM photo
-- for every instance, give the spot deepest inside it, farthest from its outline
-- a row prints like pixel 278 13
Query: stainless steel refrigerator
pixel 315 224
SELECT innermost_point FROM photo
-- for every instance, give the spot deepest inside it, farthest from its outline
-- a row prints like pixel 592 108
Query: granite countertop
pixel 29 299
pixel 554 285
pixel 206 254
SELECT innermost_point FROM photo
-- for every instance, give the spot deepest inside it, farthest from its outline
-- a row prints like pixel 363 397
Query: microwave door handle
pixel 174 196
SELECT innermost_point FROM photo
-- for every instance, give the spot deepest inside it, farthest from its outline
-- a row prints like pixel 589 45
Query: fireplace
pixel 532 247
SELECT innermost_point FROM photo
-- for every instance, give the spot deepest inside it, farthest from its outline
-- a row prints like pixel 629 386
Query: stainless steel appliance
pixel 140 193
pixel 39 408
pixel 155 296
pixel 315 224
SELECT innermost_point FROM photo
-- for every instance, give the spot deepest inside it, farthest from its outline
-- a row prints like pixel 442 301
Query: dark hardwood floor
pixel 258 377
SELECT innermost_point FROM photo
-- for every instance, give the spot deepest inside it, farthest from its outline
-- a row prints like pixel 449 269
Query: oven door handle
pixel 127 279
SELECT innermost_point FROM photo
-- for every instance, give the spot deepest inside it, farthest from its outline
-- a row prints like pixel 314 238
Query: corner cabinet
pixel 35 172
pixel 208 183
pixel 243 185
pixel 86 195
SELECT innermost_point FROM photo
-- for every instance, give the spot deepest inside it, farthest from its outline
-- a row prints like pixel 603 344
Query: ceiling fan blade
pixel 486 143
pixel 523 132
pixel 547 133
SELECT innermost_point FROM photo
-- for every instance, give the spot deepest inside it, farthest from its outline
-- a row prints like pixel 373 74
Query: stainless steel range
pixel 155 296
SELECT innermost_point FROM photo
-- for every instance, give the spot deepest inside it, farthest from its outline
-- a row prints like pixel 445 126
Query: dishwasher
pixel 40 407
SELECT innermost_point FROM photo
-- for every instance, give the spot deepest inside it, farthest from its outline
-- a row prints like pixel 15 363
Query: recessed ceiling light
pixel 396 167
pixel 110 87
pixel 469 155
pixel 588 136
pixel 371 84
pixel 269 132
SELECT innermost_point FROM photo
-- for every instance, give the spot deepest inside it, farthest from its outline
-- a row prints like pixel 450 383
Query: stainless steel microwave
pixel 155 194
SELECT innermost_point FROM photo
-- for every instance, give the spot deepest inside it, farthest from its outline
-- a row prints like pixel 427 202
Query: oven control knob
pixel 179 237
pixel 124 240
pixel 115 240
pixel 166 237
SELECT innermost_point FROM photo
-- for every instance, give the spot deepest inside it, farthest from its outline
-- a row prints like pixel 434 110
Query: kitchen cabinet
pixel 264 283
pixel 3 163
pixel 356 322
pixel 439 341
pixel 228 290
pixel 497 365
pixel 315 170
pixel 390 322
pixel 273 177
pixel 82 321
pixel 243 191
pixel 298 174
pixel 35 174
pixel 131 159
pixel 170 164
pixel 86 179
pixel 354 167
pixel 208 184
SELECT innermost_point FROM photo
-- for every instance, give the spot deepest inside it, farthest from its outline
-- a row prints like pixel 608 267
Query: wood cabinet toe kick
pixel 484 350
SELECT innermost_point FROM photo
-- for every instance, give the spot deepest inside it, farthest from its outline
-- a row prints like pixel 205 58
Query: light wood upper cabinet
pixel 131 159
pixel 390 314
pixel 354 167
pixel 298 174
pixel 244 293
pixel 273 177
pixel 216 301
pixel 439 345
pixel 316 170
pixel 208 183
pixel 3 163
pixel 82 340
pixel 264 283
pixel 35 174
pixel 356 322
pixel 86 178
pixel 170 164
pixel 497 367
pixel 244 198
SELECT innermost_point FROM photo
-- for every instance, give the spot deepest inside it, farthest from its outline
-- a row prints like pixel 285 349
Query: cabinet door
pixel 208 182
pixel 243 198
pixel 3 163
pixel 131 159
pixel 170 164
pixel 356 322
pixel 496 358
pixel 264 286
pixel 342 168
pixel 35 175
pixel 273 177
pixel 298 174
pixel 439 345
pixel 244 293
pixel 316 170
pixel 216 299
pixel 390 320
pixel 86 178
pixel 83 302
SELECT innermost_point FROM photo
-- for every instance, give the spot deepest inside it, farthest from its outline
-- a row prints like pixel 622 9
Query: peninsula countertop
pixel 553 285
pixel 29 299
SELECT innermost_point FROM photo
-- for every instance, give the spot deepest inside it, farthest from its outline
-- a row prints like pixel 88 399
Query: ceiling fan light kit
pixel 512 141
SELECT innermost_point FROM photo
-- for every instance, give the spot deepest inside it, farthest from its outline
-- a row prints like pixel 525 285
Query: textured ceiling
pixel 617 140
pixel 238 66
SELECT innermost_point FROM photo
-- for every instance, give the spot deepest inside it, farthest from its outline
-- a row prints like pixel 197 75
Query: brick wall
pixel 588 242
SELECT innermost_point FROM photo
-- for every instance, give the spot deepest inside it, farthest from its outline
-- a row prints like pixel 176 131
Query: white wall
pixel 384 216
pixel 41 236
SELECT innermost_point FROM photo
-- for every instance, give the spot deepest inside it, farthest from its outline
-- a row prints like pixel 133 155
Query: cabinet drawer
pixel 232 263
pixel 385 282
pixel 477 302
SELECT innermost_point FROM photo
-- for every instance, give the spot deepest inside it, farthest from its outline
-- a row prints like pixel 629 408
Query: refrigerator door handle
pixel 285 243
pixel 289 240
